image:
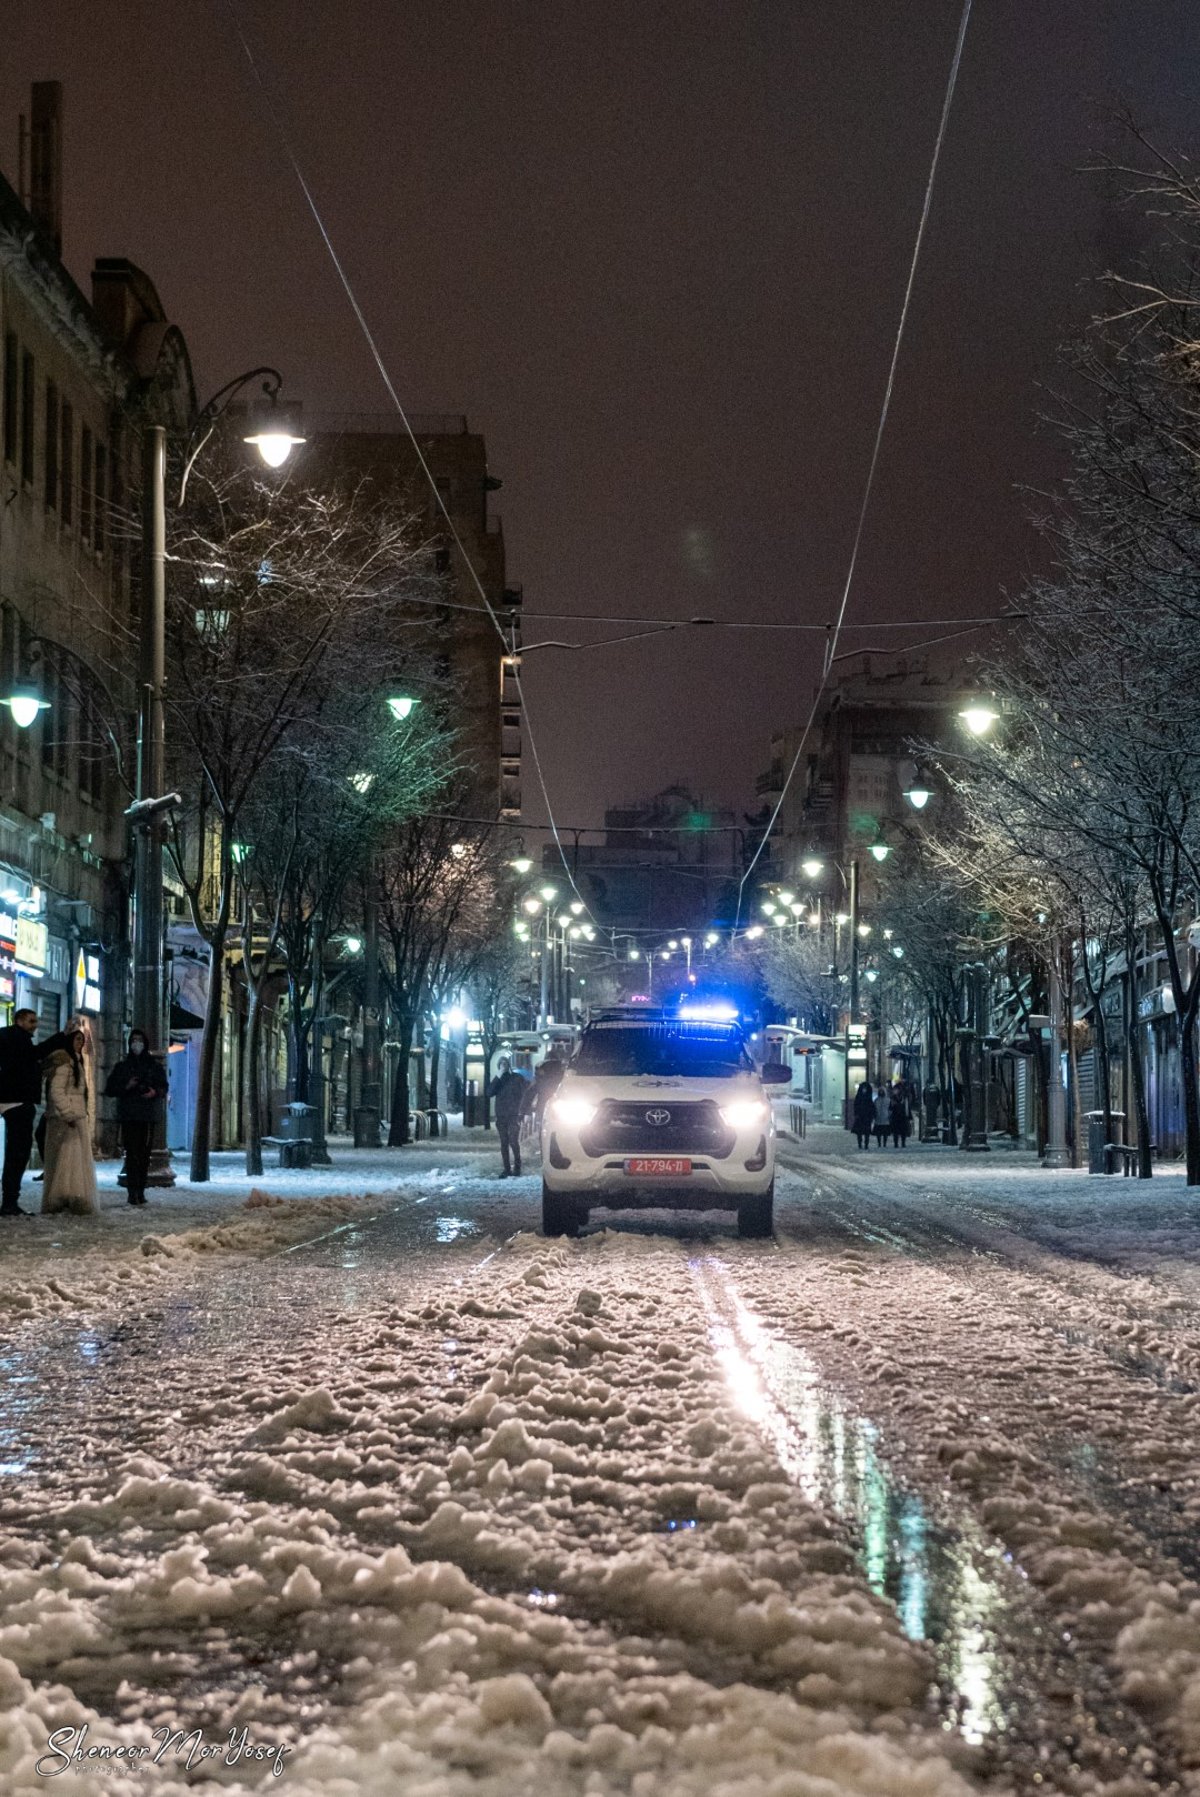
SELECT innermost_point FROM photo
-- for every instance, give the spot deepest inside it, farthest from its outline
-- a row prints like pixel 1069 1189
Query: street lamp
pixel 978 717
pixel 26 703
pixel 522 864
pixel 812 867
pixel 881 850
pixel 400 705
pixel 918 792
pixel 269 427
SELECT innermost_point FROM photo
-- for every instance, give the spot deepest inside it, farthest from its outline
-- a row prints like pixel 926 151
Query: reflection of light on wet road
pixel 938 1579
pixel 453 1229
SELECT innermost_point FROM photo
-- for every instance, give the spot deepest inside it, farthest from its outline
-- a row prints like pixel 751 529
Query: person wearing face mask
pixel 138 1082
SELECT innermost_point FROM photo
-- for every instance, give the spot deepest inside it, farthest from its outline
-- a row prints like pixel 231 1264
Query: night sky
pixel 655 250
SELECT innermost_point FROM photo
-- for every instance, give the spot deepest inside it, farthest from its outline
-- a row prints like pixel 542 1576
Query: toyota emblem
pixel 658 1117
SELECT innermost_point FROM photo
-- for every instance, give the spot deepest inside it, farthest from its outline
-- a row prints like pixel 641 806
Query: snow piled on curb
pixel 97 1262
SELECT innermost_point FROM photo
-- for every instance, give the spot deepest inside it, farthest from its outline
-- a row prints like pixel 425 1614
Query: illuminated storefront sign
pixel 31 943
pixel 8 957
pixel 87 982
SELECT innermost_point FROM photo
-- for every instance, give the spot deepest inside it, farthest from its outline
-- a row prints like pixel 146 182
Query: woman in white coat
pixel 70 1181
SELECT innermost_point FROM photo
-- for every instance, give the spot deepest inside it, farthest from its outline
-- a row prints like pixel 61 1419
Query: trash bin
pixel 1099 1160
pixel 296 1124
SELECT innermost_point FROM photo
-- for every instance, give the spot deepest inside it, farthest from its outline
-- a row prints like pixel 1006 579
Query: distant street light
pixel 400 706
pixel 812 868
pixel 918 792
pixel 522 864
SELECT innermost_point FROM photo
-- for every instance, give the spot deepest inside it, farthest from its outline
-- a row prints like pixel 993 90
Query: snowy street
pixel 900 1504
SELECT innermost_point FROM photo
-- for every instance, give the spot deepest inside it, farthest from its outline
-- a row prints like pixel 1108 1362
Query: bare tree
pixel 281 601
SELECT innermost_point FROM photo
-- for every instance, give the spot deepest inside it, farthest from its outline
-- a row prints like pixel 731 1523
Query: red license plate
pixel 650 1166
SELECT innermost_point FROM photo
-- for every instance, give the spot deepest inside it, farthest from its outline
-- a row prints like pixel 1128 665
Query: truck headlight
pixel 573 1113
pixel 744 1113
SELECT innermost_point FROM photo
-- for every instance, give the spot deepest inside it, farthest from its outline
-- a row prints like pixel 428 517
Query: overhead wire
pixel 868 487
pixel 834 632
pixel 369 336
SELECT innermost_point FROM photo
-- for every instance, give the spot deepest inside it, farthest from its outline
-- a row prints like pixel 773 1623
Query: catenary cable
pixel 831 646
pixel 348 288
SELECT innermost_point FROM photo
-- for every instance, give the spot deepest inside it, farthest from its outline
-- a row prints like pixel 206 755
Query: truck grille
pixel 658 1126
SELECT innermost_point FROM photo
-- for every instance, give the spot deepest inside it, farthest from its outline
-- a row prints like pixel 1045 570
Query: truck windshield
pixel 667 1050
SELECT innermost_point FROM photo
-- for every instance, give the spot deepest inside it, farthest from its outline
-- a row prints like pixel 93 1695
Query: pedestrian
pixel 546 1080
pixel 898 1116
pixel 138 1082
pixel 20 1093
pixel 883 1115
pixel 70 1182
pixel 507 1092
pixel 864 1114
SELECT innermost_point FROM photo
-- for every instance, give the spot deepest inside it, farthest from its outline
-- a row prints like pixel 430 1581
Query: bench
pixel 1127 1154
pixel 292 1153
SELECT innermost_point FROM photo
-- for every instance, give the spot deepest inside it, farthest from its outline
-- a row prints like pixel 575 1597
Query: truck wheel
pixel 559 1216
pixel 756 1216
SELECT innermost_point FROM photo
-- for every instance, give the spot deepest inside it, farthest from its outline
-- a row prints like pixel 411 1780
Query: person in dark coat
pixel 138 1082
pixel 898 1117
pixel 863 1114
pixel 20 1094
pixel 507 1093
pixel 546 1080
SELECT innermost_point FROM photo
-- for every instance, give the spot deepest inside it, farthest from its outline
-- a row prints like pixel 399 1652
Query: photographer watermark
pixel 71 1750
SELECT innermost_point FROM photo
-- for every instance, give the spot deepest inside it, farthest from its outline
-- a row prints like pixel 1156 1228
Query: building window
pixel 100 496
pixel 85 484
pixel 27 379
pixel 10 396
pixel 66 463
pixel 51 446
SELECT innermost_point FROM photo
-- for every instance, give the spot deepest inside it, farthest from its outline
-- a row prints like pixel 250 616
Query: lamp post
pixel 975 1131
pixel 1056 1154
pixel 271 431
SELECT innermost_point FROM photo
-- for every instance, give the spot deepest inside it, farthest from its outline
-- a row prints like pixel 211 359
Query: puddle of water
pixel 938 1581
pixel 454 1229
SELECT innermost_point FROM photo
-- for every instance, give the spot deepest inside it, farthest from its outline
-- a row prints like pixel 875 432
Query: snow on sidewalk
pixel 53 1264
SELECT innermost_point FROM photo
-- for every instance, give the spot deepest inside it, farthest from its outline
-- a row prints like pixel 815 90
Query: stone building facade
pixel 78 376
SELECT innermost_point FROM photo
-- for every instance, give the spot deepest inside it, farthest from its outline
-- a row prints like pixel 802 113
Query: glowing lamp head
pixel 576 907
pixel 918 795
pixel 532 906
pixel 978 717
pixel 785 898
pixel 812 867
pixel 353 945
pixel 25 702
pixel 522 864
pixel 400 706
pixel 880 850
pixel 548 894
pixel 635 954
pixel 770 907
pixel 754 932
pixel 273 427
